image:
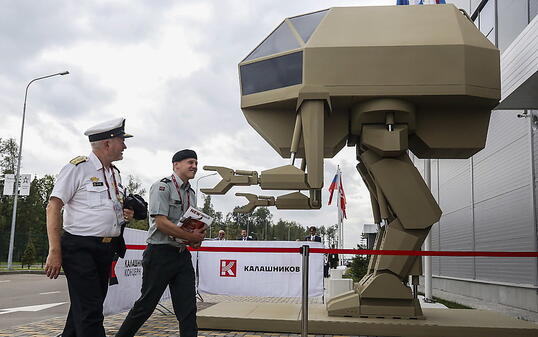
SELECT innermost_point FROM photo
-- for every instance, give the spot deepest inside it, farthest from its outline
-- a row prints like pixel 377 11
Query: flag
pixel 333 186
pixel 342 196
pixel 336 185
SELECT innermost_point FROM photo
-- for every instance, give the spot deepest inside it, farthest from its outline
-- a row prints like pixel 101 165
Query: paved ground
pixel 31 297
pixel 159 324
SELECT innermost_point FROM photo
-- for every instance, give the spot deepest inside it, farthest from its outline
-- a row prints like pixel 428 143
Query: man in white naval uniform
pixel 90 191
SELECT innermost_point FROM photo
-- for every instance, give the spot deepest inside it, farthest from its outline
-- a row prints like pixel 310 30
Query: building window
pixel 533 9
pixel 512 19
pixel 487 21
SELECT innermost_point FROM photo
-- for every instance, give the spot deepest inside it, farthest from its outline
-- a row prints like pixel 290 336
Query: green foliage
pixel 8 155
pixel 328 234
pixel 359 266
pixel 259 224
pixel 134 186
pixel 29 255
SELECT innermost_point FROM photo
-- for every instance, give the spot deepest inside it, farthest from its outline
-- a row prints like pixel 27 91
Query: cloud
pixel 169 67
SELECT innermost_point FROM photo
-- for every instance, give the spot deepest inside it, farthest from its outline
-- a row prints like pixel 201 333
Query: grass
pixel 18 266
pixel 448 304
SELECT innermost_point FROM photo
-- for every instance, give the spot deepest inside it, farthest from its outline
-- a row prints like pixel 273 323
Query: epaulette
pixel 165 180
pixel 77 160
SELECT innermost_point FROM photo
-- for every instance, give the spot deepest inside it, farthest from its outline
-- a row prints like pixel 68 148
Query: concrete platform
pixel 285 318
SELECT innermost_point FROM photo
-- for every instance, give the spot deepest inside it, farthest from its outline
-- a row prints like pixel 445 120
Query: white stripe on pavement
pixel 50 292
pixel 4 281
pixel 30 308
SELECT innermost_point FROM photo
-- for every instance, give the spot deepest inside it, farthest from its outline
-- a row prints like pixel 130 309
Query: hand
pixel 128 214
pixel 198 235
pixel 195 245
pixel 53 264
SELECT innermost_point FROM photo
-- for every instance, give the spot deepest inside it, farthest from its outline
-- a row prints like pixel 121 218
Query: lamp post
pixel 17 174
pixel 197 181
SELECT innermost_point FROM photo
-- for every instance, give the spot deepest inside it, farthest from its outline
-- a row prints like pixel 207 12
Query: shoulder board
pixel 165 180
pixel 78 160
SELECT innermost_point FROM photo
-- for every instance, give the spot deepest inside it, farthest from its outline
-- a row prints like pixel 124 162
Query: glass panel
pixel 278 72
pixel 282 39
pixel 463 4
pixel 306 24
pixel 474 5
pixel 513 17
pixel 487 20
pixel 533 9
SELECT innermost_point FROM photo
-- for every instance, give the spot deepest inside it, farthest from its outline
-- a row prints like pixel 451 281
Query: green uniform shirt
pixel 165 200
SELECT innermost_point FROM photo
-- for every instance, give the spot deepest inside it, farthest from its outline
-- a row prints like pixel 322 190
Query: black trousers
pixel 86 262
pixel 165 265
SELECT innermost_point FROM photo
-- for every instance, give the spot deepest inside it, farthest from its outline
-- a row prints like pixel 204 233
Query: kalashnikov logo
pixel 228 268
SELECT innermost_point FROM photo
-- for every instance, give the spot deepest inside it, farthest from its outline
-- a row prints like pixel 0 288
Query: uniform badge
pixel 94 179
pixel 97 183
pixel 161 188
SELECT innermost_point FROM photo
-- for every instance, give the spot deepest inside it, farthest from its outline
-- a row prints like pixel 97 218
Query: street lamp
pixel 198 180
pixel 17 174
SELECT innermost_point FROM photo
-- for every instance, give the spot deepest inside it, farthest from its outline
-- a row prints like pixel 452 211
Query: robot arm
pixel 308 125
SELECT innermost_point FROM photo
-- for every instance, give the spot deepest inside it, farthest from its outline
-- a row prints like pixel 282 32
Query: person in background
pixel 244 236
pixel 313 236
pixel 221 236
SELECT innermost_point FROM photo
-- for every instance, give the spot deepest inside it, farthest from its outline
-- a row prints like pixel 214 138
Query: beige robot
pixel 386 80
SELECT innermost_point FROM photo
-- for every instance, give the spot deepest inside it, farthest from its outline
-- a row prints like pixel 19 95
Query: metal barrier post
pixel 305 252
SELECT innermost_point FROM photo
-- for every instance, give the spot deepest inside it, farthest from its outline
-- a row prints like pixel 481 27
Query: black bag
pixel 138 205
pixel 140 208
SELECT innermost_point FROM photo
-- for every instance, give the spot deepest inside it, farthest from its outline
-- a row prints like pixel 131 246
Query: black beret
pixel 184 154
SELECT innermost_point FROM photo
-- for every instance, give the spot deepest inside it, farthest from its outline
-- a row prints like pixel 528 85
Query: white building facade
pixel 490 201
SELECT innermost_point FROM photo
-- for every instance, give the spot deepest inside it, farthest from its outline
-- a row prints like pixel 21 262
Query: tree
pixel 262 222
pixel 359 266
pixel 134 186
pixel 218 222
pixel 29 254
pixel 8 155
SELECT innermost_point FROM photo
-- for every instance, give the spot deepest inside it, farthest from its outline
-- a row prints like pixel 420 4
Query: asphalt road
pixel 28 298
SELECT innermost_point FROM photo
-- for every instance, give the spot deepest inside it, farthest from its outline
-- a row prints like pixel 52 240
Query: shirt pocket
pixel 174 212
pixel 96 195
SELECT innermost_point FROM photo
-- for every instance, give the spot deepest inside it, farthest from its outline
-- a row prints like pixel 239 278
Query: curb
pixel 12 272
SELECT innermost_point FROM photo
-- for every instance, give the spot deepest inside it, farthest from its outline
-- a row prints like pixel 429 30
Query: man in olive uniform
pixel 166 260
pixel 90 191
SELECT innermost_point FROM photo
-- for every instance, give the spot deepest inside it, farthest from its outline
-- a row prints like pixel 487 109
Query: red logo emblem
pixel 228 268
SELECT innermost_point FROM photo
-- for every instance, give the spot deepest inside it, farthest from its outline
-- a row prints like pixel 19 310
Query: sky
pixel 169 68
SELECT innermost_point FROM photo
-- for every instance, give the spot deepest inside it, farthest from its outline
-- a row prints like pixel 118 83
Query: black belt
pixel 101 239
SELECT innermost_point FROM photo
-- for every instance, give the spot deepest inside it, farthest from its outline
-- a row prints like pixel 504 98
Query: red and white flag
pixel 336 185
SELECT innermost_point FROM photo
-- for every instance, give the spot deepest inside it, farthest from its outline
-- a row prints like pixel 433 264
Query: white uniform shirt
pixel 88 210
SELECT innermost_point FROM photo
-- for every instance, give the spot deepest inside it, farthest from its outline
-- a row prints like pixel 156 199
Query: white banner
pixel 128 274
pixel 258 274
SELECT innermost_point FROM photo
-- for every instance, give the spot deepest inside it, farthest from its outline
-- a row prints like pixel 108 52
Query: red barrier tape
pixel 352 251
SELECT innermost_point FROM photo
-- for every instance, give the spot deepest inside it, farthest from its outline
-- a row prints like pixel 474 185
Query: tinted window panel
pixel 513 16
pixel 533 9
pixel 282 39
pixel 306 24
pixel 487 20
pixel 474 5
pixel 278 72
